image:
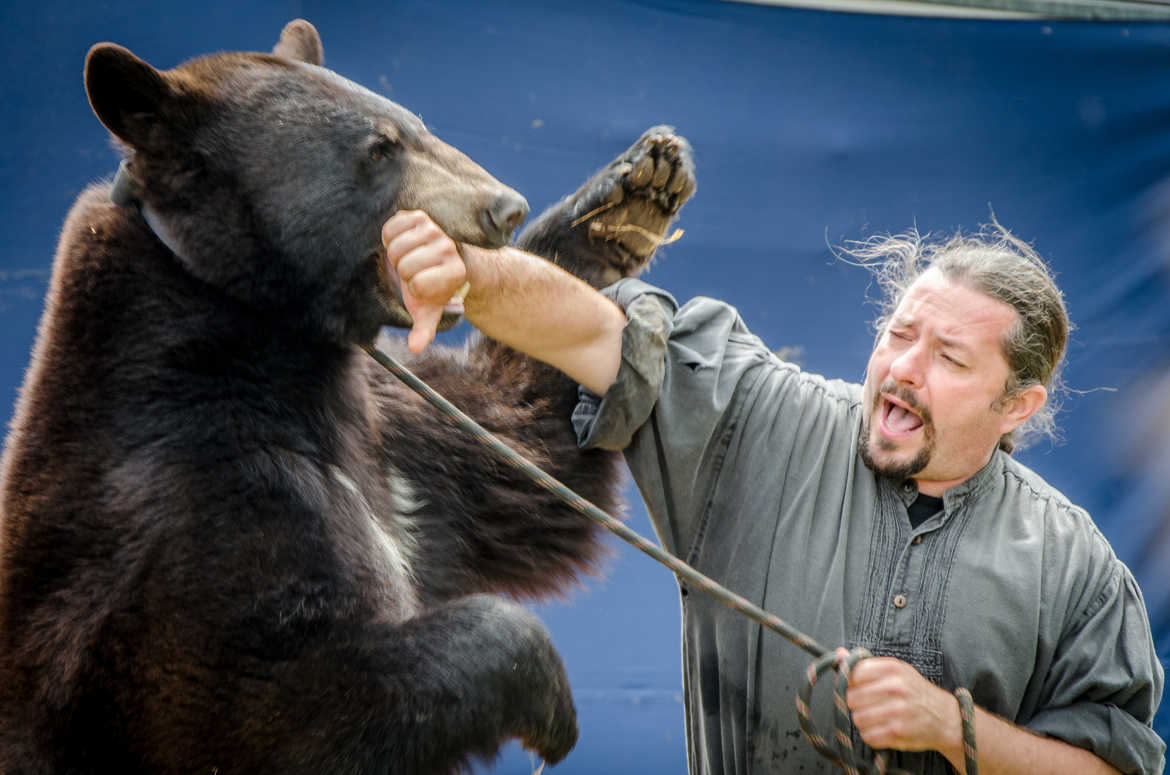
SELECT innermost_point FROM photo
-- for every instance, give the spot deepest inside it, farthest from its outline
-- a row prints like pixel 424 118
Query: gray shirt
pixel 750 472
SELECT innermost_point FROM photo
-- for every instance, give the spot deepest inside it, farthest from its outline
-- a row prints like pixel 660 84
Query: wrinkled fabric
pixel 750 472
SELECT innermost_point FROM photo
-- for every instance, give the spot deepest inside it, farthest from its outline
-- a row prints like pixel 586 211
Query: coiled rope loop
pixel 843 755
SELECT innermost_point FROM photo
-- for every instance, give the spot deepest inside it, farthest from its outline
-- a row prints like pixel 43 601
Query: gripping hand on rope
pixel 896 707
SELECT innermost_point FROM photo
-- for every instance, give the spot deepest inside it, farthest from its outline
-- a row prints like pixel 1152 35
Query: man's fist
pixel 431 273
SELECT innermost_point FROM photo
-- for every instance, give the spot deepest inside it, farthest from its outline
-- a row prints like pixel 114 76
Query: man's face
pixel 933 385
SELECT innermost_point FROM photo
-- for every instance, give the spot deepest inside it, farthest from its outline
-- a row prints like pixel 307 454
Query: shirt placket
pixel 904 596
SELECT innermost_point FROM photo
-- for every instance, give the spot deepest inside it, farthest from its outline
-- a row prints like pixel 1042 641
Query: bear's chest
pixel 369 526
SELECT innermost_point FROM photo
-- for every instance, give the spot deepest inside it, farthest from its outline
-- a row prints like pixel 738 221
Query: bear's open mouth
pixel 387 277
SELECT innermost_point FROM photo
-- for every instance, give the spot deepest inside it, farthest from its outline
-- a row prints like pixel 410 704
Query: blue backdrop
pixel 810 129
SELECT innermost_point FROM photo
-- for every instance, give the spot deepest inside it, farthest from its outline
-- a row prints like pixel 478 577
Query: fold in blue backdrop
pixel 810 129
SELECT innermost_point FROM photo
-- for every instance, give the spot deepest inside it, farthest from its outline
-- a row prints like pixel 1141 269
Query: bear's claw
pixel 633 200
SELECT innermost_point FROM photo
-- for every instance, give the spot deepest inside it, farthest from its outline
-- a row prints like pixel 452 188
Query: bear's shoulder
pixel 99 235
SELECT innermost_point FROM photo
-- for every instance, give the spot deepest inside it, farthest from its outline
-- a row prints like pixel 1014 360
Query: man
pixel 886 515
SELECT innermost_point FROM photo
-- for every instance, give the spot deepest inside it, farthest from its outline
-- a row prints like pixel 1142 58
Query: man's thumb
pixel 426 323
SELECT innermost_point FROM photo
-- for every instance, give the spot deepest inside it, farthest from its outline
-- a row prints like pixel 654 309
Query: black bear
pixel 230 542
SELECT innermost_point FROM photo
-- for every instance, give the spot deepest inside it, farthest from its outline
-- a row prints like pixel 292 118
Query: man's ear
pixel 1016 409
pixel 127 94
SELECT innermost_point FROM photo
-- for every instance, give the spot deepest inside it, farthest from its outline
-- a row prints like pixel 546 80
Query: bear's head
pixel 270 177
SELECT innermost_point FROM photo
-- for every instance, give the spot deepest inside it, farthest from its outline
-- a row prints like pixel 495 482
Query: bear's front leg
pixel 612 225
pixel 421 697
pixel 472 674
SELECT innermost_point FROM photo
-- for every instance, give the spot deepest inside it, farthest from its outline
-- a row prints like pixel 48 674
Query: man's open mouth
pixel 898 419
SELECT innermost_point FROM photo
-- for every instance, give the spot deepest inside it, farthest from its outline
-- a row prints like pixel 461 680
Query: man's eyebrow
pixel 902 321
pixel 952 344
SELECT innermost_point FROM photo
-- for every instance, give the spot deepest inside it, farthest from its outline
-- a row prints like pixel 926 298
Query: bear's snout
pixel 502 217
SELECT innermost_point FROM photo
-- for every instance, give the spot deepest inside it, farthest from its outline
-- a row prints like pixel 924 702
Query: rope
pixel 967 714
pixel 843 755
pixel 612 230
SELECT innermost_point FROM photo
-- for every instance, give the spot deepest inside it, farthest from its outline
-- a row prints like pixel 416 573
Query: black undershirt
pixel 923 508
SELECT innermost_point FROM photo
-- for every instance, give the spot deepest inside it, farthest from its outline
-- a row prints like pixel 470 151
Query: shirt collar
pixel 960 494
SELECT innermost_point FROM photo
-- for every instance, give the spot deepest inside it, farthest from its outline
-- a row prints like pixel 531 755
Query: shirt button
pixel 899 601
pixel 917 540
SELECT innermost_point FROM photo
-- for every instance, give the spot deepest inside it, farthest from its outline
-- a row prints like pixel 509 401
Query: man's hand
pixel 430 271
pixel 518 299
pixel 895 707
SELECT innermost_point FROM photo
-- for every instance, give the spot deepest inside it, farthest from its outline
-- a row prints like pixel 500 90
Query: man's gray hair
pixel 995 262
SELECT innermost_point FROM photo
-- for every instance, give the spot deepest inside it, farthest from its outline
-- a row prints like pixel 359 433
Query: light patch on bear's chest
pixel 391 545
pixel 405 497
pixel 405 504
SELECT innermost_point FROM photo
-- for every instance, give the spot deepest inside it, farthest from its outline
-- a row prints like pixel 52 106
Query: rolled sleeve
pixel 610 422
pixel 1106 682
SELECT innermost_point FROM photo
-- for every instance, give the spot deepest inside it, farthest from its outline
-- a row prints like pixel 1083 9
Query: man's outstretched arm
pixel 515 298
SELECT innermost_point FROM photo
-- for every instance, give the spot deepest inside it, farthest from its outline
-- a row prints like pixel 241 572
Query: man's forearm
pixel 894 706
pixel 543 311
pixel 1007 749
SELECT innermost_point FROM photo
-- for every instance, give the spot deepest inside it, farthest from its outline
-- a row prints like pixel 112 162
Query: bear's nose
pixel 505 213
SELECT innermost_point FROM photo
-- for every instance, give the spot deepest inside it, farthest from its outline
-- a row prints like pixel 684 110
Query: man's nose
pixel 909 366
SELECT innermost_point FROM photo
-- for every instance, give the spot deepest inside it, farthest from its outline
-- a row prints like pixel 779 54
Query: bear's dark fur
pixel 230 542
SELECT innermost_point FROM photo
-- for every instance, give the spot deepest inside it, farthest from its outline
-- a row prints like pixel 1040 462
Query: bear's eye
pixel 383 148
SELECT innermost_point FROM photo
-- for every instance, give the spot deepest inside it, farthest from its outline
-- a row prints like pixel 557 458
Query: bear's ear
pixel 127 94
pixel 299 40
